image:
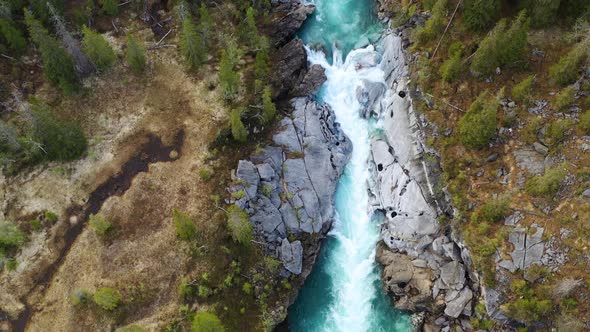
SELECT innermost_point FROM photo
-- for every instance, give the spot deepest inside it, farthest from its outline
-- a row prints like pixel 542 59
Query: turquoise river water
pixel 343 293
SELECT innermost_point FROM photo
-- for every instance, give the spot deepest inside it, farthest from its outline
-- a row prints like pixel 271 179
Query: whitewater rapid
pixel 357 302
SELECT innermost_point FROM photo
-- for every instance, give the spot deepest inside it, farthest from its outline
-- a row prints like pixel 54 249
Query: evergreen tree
pixel 261 64
pixel 41 10
pixel 12 35
pixel 502 46
pixel 249 29
pixel 514 41
pixel 228 77
pixel 135 55
pixel 57 63
pixel 434 25
pixel 82 64
pixel 98 49
pixel 58 139
pixel 480 14
pixel 566 70
pixel 191 46
pixel 110 7
pixel 478 125
pixel 234 52
pixel 543 12
pixel 238 130
pixel 269 110
pixel 205 26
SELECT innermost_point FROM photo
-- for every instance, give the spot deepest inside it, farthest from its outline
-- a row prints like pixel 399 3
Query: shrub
pixel 247 288
pixel 585 122
pixel 36 225
pixel 13 37
pixel 79 296
pixel 204 291
pixel 434 25
pixel 58 65
pixel 495 210
pixel 185 227
pixel 547 184
pixel 51 216
pixel 206 322
pixel 185 289
pixel 135 55
pixel 238 130
pixel 478 125
pixel 522 91
pixel 566 70
pixel 205 174
pixel 239 225
pixel 98 49
pixel 555 132
pixel 59 139
pixel 100 225
pixel 529 309
pixel 107 298
pixel 478 15
pixel 191 45
pixel 110 7
pixel 565 98
pixel 11 237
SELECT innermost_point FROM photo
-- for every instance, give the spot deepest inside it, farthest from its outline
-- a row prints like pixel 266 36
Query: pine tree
pixel 249 29
pixel 135 55
pixel 57 63
pixel 82 64
pixel 239 224
pixel 110 7
pixel 41 10
pixel 58 139
pixel 269 110
pixel 566 70
pixel 261 67
pixel 205 26
pixel 478 125
pixel 238 130
pixel 191 46
pixel 514 41
pixel 13 37
pixel 98 49
pixel 480 14
pixel 228 77
pixel 543 12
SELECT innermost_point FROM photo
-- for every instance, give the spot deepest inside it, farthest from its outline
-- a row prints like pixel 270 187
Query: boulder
pixel 248 176
pixel 292 256
pixel 457 301
pixel 452 276
pixel 312 81
pixel 529 160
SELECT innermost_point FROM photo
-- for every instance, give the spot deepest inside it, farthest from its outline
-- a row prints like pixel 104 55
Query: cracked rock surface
pixel 289 186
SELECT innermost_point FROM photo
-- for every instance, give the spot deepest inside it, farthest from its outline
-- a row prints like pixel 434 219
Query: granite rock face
pixel 289 186
pixel 286 18
pixel 425 267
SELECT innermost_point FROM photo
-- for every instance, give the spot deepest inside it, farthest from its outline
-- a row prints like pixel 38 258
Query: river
pixel 344 293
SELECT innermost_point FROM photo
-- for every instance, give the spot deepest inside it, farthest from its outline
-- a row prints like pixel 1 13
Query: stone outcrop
pixel 288 187
pixel 293 77
pixel 425 267
pixel 286 18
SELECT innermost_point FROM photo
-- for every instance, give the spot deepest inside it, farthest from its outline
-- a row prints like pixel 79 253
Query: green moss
pixel 206 322
pixel 36 225
pixel 51 217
